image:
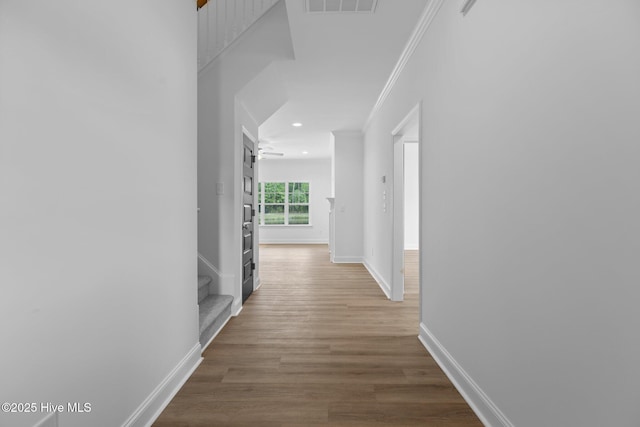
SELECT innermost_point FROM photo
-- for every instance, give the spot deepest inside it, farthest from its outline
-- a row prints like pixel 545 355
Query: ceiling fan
pixel 266 150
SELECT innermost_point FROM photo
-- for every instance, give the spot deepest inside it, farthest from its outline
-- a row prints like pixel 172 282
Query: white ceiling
pixel 343 61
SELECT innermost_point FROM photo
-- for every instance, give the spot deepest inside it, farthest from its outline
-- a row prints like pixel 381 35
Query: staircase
pixel 215 311
pixel 221 22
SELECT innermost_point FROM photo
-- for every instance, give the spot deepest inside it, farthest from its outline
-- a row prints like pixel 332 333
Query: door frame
pixel 254 243
pixel 399 139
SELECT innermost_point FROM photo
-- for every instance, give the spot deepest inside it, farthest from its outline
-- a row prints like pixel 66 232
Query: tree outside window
pixel 298 212
pixel 284 203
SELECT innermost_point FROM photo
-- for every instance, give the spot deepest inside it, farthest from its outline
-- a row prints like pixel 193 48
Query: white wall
pixel 221 117
pixel 347 168
pixel 98 204
pixel 530 204
pixel 411 196
pixel 317 172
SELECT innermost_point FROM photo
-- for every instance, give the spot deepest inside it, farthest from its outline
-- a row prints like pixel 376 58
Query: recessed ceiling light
pixel 305 152
pixel 296 124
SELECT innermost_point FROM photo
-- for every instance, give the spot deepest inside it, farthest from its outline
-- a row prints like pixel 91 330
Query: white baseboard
pixel 481 404
pixel 221 284
pixel 215 334
pixel 347 259
pixel 154 404
pixel 236 308
pixel 378 278
pixel 257 284
pixel 293 242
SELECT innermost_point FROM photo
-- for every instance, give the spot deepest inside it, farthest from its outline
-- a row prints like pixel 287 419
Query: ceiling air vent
pixel 341 6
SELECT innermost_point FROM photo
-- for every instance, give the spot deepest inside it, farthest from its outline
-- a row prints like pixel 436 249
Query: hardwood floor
pixel 319 345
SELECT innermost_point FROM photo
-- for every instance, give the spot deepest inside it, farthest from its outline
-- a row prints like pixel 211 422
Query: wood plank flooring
pixel 319 345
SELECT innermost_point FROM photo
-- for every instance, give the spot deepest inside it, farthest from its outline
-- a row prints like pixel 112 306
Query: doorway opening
pixel 406 206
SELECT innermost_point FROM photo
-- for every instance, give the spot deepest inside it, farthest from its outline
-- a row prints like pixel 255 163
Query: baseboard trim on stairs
pixel 485 409
pixel 378 278
pixel 151 408
pixel 221 284
pixel 215 334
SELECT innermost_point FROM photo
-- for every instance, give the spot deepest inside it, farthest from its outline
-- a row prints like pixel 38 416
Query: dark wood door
pixel 248 213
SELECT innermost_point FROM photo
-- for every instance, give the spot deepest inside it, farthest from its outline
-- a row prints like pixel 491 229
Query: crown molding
pixel 429 13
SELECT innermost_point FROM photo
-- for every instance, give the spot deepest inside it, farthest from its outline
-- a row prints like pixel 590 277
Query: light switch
pixel 220 188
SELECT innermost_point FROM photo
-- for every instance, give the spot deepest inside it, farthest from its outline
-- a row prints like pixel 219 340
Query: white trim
pixel 347 260
pixel 51 420
pixel 413 115
pixel 257 283
pixel 215 334
pixel 378 278
pixel 429 13
pixel 286 204
pixel 212 269
pixel 154 404
pixel 245 130
pixel 397 202
pixel 485 409
pixel 236 308
pixel 294 242
pixel 221 284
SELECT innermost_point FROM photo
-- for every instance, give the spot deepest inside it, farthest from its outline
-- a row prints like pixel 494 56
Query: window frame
pixel 286 203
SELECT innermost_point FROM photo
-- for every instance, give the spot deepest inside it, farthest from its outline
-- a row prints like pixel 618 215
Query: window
pixel 284 203
pixel 298 207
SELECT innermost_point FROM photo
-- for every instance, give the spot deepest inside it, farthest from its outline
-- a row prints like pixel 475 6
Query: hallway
pixel 319 344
